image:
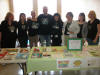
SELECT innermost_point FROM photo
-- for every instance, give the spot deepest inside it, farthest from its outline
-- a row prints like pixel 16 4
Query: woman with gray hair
pixel 71 27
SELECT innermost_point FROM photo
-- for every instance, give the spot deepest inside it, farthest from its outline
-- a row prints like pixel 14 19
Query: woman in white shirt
pixel 71 28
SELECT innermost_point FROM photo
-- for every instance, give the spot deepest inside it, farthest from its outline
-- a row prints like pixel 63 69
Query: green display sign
pixel 74 44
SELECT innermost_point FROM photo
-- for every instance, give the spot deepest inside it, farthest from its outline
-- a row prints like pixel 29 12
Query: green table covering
pixel 50 63
pixel 42 64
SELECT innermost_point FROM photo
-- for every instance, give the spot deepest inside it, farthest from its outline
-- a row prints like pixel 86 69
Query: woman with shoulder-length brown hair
pixel 83 26
pixel 8 31
pixel 93 28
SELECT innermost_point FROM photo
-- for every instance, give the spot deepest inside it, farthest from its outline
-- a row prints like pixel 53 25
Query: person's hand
pixel 95 40
pixel 63 31
pixel 83 41
pixel 71 32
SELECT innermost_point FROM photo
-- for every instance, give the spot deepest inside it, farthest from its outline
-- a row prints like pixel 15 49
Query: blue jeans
pixel 90 42
pixel 46 38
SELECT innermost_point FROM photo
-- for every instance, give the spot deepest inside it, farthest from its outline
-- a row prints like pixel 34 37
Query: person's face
pixel 91 16
pixel 81 18
pixel 33 14
pixel 69 18
pixel 56 18
pixel 11 17
pixel 23 17
pixel 45 10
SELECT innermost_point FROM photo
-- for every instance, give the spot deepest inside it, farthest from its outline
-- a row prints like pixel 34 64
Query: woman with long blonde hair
pixel 8 31
pixel 93 28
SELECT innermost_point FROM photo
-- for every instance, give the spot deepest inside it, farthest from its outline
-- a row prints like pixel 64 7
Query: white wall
pixel 77 6
pixel 4 8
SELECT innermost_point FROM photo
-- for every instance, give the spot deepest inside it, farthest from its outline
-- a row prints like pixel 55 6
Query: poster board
pixel 74 44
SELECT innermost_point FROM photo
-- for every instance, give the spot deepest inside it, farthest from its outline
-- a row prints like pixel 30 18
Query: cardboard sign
pixel 71 63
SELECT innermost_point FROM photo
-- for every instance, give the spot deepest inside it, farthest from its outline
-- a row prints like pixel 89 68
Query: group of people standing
pixel 47 29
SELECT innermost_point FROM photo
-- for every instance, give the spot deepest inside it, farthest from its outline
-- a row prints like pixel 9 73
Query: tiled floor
pixel 14 69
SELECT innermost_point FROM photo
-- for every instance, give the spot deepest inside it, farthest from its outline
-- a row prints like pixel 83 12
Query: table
pixel 21 62
pixel 57 58
pixel 87 59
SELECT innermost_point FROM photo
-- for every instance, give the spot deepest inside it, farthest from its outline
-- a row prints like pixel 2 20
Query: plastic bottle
pixel 86 44
pixel 44 45
pixel 28 44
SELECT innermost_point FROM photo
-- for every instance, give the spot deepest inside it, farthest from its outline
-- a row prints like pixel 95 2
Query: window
pixel 75 6
pixel 22 6
pixel 51 4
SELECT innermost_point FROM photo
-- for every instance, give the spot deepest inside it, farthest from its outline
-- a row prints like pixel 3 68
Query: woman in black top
pixel 22 30
pixel 8 31
pixel 57 30
pixel 83 26
pixel 93 30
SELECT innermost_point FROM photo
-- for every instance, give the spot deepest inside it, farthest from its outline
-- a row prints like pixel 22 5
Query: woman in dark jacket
pixel 8 31
pixel 22 30
pixel 57 30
